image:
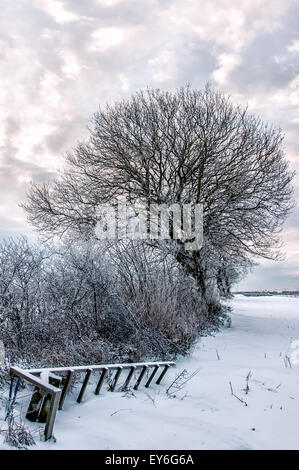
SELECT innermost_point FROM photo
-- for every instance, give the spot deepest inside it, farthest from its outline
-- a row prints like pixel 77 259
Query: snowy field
pixel 204 414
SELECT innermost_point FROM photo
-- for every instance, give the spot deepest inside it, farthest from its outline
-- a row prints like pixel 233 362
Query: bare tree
pixel 183 147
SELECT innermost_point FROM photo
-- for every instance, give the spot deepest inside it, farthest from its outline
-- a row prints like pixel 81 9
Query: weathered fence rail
pixel 54 396
pixel 54 393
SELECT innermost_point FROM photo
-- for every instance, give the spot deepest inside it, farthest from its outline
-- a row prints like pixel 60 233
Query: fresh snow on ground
pixel 204 414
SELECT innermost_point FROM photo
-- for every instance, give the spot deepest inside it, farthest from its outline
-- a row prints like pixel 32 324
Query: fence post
pixel 116 377
pixel 130 375
pixel 52 414
pixel 66 385
pixel 83 388
pixel 100 383
pixel 163 373
pixel 151 376
pixel 140 377
pixel 45 407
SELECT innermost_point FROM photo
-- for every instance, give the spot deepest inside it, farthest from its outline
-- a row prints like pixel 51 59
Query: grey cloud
pixel 51 80
pixel 261 67
pixel 278 275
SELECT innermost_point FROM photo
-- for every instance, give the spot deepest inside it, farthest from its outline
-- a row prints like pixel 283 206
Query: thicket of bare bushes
pixel 81 303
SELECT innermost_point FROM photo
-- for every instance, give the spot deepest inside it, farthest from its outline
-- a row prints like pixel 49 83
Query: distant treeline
pixel 293 293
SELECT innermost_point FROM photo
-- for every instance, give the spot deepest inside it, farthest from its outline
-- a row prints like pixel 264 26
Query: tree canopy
pixel 187 146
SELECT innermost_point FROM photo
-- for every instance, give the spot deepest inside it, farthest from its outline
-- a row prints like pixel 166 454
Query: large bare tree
pixel 188 146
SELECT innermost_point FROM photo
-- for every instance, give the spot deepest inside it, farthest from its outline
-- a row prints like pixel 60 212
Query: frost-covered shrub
pixel 17 434
pixel 77 303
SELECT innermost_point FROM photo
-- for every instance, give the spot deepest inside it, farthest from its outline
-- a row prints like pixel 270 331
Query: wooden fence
pixel 54 395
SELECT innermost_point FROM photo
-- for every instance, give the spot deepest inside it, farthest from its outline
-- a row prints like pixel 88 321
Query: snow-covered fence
pixel 48 398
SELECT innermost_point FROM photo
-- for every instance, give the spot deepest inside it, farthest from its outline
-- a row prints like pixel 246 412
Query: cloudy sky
pixel 59 60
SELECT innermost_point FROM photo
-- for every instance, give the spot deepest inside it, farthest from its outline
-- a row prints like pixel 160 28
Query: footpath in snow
pixel 205 414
